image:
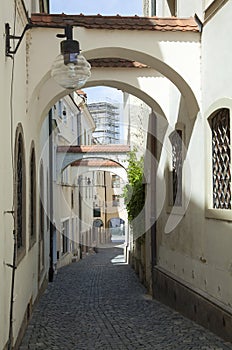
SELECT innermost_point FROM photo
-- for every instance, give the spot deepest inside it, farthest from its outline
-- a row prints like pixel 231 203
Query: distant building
pixel 106 117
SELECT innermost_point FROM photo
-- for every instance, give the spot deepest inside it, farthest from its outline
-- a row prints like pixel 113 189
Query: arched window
pixel 41 219
pixel 32 210
pixel 20 194
pixel 221 159
pixel 177 167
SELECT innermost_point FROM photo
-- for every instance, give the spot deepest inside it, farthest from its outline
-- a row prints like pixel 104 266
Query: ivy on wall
pixel 134 191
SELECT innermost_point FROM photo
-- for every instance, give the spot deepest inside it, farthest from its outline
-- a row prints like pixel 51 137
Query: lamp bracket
pixel 68 32
pixel 9 37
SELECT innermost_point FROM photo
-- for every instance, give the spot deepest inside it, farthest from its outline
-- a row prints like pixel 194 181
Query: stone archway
pixel 182 69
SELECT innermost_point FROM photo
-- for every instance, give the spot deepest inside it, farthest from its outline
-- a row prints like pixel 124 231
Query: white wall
pixel 197 248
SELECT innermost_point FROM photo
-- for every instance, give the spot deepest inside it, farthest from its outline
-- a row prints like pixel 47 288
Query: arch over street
pixel 153 46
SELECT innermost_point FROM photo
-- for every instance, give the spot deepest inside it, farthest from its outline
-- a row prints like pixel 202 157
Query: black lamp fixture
pixel 8 37
pixel 70 69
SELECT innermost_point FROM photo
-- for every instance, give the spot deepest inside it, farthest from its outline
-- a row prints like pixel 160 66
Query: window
pixel 64 114
pixel 221 159
pixel 96 212
pixel 116 200
pixel 32 212
pixel 33 6
pixel 115 181
pixel 177 165
pixel 60 109
pixel 65 176
pixel 41 220
pixel 65 237
pixel 72 199
pixel 43 6
pixel 72 122
pixel 20 195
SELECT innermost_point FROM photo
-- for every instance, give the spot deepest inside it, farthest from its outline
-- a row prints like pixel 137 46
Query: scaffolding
pixel 107 119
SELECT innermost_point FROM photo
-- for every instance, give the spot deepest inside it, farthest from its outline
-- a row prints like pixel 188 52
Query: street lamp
pixel 70 69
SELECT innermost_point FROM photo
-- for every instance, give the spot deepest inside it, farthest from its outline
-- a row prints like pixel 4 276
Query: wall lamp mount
pixel 70 69
pixel 9 37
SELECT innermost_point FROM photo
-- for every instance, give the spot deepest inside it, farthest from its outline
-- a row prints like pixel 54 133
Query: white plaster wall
pixel 216 57
pixel 198 249
pixel 26 277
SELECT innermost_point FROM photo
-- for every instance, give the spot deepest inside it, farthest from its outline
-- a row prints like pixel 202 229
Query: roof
pixel 81 93
pixel 95 163
pixel 115 62
pixel 111 148
pixel 116 22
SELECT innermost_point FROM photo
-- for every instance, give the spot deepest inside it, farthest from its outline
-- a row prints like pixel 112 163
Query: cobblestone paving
pixel 95 304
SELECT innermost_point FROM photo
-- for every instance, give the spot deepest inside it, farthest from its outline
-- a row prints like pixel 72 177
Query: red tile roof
pixel 116 22
pixel 115 62
pixel 94 149
pixel 81 93
pixel 95 163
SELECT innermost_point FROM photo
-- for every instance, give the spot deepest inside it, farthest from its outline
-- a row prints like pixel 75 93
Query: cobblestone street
pixel 98 303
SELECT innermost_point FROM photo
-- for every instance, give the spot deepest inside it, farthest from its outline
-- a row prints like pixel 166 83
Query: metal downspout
pixel 13 266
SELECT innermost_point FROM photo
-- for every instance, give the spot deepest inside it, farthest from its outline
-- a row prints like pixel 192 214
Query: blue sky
pixel 103 7
pixel 93 7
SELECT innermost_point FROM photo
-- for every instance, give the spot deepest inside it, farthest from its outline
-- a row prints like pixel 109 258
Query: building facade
pixel 74 126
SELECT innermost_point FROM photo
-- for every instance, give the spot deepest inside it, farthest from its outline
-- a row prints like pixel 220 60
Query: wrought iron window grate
pixel 19 182
pixel 221 159
pixel 32 195
pixel 177 162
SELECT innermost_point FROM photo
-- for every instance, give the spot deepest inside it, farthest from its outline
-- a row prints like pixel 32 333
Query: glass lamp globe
pixel 70 69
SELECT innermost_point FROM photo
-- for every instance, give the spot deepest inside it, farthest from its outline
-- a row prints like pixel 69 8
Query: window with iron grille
pixel 221 159
pixel 177 166
pixel 32 198
pixel 20 195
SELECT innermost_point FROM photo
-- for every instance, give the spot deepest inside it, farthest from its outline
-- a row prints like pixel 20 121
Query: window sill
pixel 219 214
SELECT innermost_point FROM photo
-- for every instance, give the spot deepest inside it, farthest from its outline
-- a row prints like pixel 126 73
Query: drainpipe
pixel 51 270
pixel 80 223
pixel 13 266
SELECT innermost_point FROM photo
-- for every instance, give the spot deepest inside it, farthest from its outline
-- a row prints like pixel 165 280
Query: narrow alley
pixel 99 303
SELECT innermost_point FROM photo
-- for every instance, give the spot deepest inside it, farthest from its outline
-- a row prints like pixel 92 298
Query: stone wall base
pixel 193 304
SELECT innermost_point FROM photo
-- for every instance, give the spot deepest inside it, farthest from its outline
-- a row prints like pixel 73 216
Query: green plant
pixel 134 191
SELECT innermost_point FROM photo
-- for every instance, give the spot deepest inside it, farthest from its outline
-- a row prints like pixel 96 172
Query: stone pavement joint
pixel 98 303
